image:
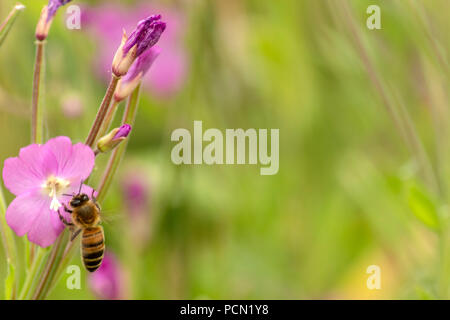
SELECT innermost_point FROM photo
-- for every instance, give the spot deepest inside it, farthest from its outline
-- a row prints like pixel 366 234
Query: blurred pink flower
pixel 107 282
pixel 72 106
pixel 136 196
pixel 136 193
pixel 39 177
pixel 108 21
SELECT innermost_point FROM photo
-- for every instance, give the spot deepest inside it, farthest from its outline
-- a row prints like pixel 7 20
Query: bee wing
pixel 108 217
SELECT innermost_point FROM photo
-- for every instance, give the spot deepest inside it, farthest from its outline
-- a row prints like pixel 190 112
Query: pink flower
pixel 107 283
pixel 136 192
pixel 39 177
pixel 72 106
pixel 168 74
pixel 137 200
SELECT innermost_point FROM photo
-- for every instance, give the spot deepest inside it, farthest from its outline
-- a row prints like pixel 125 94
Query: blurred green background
pixel 362 178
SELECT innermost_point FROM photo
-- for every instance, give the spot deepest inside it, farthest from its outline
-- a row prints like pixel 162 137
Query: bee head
pixel 79 200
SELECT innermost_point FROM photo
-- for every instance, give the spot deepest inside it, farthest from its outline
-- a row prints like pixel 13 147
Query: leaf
pixel 10 282
pixel 423 207
pixel 6 25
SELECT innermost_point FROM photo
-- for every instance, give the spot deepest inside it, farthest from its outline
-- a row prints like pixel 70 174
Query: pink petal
pixel 25 210
pixel 18 178
pixel 80 164
pixel 61 147
pixel 39 161
pixel 29 170
pixel 45 229
pixel 74 162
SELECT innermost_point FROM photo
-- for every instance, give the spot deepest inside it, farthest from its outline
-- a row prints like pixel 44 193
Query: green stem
pixel 5 232
pixel 108 118
pixel 32 273
pixel 48 275
pixel 37 115
pixel 9 21
pixel 129 117
pixel 102 111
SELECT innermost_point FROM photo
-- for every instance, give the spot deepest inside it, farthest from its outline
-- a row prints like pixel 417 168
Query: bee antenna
pixel 81 185
pixel 69 195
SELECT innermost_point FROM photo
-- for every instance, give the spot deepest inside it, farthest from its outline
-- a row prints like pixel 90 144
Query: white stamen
pixel 53 187
pixel 55 204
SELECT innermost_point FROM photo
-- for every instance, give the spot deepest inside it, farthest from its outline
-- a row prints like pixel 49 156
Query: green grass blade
pixel 7 24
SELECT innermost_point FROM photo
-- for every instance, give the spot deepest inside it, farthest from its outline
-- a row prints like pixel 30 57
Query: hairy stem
pixel 102 111
pixel 108 118
pixel 37 121
pixel 37 116
pixel 117 154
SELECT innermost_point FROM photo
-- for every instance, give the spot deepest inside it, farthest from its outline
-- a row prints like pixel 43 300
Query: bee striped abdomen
pixel 92 248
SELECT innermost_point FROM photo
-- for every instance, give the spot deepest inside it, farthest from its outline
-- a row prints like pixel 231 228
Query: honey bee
pixel 85 213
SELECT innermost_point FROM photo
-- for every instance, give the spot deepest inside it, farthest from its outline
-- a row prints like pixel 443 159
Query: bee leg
pixel 94 199
pixel 75 234
pixel 63 220
pixel 67 209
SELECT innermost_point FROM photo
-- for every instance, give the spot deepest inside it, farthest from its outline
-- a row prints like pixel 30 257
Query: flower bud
pixel 46 19
pixel 134 75
pixel 145 36
pixel 112 139
pixel 43 25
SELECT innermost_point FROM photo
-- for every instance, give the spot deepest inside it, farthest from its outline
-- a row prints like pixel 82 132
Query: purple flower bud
pixel 53 6
pixel 113 138
pixel 136 72
pixel 46 19
pixel 146 34
pixel 142 64
pixel 123 132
